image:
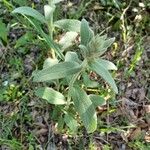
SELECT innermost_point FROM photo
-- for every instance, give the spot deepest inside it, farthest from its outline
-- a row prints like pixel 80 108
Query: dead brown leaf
pixel 135 134
pixel 147 138
pixel 147 108
pixel 42 131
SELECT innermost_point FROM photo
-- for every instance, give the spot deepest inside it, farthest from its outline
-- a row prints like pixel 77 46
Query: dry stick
pixel 123 22
pixel 107 118
pixel 100 138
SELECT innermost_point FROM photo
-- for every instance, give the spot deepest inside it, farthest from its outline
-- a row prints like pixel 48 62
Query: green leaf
pixel 52 96
pixel 24 39
pixel 68 40
pixel 57 71
pixel 71 122
pixel 86 32
pixel 53 45
pixel 72 56
pixel 60 122
pixel 20 2
pixel 47 38
pixel 85 108
pixel 96 43
pixel 56 1
pixel 89 83
pixel 106 44
pixel 103 72
pixel 97 100
pixel 84 50
pixel 107 64
pixel 50 62
pixel 68 25
pixel 48 11
pixel 3 31
pixel 28 11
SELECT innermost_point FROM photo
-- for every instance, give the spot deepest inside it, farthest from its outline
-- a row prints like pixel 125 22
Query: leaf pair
pixel 98 45
pixel 65 24
pixel 85 105
pixel 92 46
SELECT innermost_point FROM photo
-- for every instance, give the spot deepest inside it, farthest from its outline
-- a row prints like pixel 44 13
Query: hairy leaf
pixel 71 122
pixel 50 62
pixel 48 11
pixel 57 71
pixel 56 1
pixel 89 83
pixel 97 100
pixel 52 96
pixel 84 51
pixel 24 10
pixel 68 25
pixel 85 108
pixel 105 45
pixel 98 45
pixel 86 32
pixel 103 72
pixel 72 56
pixel 67 40
pixel 106 64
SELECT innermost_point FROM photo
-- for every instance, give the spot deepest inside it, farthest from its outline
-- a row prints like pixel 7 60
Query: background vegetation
pixel 29 122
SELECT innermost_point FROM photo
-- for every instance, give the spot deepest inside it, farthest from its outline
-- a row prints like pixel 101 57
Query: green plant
pixel 67 72
pixel 3 31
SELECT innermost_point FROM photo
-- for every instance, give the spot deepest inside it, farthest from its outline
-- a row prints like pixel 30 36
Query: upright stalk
pixel 50 23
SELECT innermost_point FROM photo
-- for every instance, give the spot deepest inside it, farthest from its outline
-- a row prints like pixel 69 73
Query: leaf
pixel 20 2
pixel 71 122
pixel 105 45
pixel 48 11
pixel 116 4
pixel 84 50
pixel 30 12
pixel 49 62
pixel 86 32
pixel 89 83
pixel 68 39
pixel 24 39
pixel 47 38
pixel 3 31
pixel 103 72
pixel 72 56
pixel 52 96
pixel 85 108
pixel 68 25
pixel 56 1
pixel 97 100
pixel 57 71
pixel 60 123
pixel 107 64
pixel 98 45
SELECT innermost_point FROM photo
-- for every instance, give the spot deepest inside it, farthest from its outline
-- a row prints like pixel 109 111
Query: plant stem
pixel 51 25
pixel 74 78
